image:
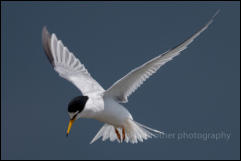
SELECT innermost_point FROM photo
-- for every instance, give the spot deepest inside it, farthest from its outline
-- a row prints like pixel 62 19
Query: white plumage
pixel 104 105
pixel 124 87
pixel 68 66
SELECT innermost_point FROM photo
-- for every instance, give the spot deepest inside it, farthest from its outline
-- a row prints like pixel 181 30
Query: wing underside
pixel 124 87
pixel 67 65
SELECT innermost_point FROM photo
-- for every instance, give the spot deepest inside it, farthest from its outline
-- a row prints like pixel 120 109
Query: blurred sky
pixel 199 91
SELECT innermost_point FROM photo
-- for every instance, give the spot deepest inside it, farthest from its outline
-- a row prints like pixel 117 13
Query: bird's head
pixel 75 107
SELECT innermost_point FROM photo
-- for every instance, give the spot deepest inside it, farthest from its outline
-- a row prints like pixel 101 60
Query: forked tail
pixel 134 132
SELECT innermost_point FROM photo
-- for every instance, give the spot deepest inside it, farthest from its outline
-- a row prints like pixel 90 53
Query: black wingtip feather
pixel 46 44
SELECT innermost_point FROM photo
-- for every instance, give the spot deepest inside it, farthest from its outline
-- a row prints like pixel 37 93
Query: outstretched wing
pixel 67 65
pixel 124 87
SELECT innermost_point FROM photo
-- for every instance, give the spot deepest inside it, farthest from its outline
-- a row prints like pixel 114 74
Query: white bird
pixel 104 105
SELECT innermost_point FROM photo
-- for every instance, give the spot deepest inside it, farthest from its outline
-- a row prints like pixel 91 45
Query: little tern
pixel 107 105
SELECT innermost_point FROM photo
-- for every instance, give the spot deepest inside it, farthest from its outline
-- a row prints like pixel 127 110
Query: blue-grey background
pixel 196 92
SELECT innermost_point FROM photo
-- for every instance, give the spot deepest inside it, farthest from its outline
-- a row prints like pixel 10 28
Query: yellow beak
pixel 70 125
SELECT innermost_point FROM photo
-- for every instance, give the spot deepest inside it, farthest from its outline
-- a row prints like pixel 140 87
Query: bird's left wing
pixel 67 65
pixel 124 87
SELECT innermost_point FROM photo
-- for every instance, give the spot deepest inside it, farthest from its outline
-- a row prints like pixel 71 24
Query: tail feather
pixel 134 132
pixel 106 133
pixel 100 133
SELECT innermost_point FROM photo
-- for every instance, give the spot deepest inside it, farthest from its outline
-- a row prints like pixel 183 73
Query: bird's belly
pixel 113 114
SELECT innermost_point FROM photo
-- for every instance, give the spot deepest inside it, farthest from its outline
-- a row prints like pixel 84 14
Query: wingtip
pixel 212 19
pixel 216 13
pixel 44 30
pixel 46 44
pixel 44 27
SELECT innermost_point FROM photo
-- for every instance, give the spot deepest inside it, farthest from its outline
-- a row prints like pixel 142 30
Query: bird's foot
pixel 123 134
pixel 118 134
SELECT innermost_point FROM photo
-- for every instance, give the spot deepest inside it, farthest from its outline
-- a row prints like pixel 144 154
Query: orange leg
pixel 118 134
pixel 123 134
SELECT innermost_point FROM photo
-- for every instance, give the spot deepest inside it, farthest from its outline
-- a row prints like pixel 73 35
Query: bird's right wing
pixel 124 87
pixel 67 65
